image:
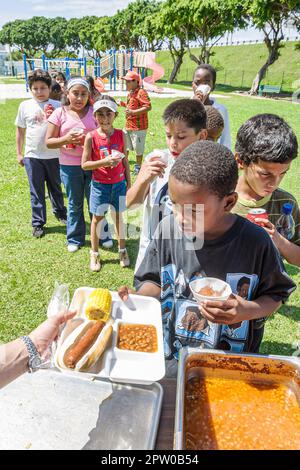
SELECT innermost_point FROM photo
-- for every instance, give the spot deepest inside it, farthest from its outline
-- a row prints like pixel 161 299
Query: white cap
pixel 105 104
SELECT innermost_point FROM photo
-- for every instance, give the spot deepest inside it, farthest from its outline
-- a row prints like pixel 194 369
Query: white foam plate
pixel 119 365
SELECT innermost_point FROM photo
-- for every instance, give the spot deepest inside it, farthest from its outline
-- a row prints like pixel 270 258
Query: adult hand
pixel 20 160
pixel 227 312
pixel 47 332
pixel 124 292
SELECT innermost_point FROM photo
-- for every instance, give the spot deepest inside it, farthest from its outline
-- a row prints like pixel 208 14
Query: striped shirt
pixel 273 205
pixel 135 100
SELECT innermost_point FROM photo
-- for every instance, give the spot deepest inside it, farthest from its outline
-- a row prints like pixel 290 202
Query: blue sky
pixel 24 9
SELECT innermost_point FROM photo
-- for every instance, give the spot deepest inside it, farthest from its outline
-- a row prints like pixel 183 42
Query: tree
pixel 129 26
pixel 270 16
pixel 167 24
pixel 206 22
pixel 29 37
pixel 56 39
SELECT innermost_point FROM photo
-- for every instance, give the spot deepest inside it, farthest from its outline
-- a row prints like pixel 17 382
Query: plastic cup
pixel 215 284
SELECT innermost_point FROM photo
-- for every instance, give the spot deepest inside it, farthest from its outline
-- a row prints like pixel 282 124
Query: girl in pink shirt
pixel 66 130
pixel 104 154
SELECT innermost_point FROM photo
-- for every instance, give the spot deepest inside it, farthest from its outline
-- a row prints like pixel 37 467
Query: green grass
pixel 238 65
pixel 11 81
pixel 30 267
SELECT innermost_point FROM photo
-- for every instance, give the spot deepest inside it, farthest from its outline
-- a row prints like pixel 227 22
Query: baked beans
pixel 136 337
pixel 231 414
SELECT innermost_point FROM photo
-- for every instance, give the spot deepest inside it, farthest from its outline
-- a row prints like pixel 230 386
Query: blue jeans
pixel 77 183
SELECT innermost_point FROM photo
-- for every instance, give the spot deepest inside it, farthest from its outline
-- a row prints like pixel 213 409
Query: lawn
pixel 238 65
pixel 30 267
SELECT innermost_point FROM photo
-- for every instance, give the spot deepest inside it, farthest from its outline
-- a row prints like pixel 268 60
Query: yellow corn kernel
pixel 98 305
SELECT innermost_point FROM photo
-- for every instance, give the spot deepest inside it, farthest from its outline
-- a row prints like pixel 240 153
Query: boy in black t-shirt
pixel 203 236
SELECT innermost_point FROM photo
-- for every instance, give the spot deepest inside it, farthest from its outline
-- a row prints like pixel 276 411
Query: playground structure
pixel 106 71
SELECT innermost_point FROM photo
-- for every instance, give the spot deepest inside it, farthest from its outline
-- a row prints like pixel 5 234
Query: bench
pixel 272 89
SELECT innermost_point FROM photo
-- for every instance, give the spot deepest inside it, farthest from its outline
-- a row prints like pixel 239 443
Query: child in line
pixel 41 164
pixel 111 175
pixel 205 74
pixel 215 123
pixel 137 109
pixel 265 149
pixel 202 235
pixel 94 92
pixel 67 128
pixel 61 80
pixel 56 91
pixel 185 123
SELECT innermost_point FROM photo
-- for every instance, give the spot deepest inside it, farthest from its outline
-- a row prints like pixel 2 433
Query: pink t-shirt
pixel 66 122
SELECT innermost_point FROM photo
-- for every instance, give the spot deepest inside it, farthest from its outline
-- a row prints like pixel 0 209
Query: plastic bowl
pixel 215 284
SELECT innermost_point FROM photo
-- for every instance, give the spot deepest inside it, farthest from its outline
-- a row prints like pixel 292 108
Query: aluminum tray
pixel 233 366
pixel 50 410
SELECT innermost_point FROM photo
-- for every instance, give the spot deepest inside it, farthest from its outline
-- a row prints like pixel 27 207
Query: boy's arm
pixel 20 137
pixel 137 112
pixel 288 250
pixel 236 309
pixel 147 288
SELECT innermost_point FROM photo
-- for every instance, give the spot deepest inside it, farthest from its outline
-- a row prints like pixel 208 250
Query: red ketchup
pixel 258 214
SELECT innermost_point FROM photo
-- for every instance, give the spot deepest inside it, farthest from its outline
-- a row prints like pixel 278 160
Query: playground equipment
pixel 107 71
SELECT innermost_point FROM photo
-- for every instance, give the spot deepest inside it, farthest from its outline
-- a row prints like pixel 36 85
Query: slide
pixel 158 73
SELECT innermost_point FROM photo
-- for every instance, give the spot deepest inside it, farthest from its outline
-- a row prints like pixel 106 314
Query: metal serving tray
pixel 224 364
pixel 50 410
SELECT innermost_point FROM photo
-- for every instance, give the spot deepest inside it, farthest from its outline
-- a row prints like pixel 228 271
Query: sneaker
pixel 124 259
pixel 136 169
pixel 38 232
pixel 107 244
pixel 95 264
pixel 72 248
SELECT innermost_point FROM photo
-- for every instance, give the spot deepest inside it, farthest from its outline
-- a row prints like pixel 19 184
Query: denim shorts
pixel 104 195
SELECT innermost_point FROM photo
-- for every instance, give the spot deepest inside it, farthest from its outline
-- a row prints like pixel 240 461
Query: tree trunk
pixel 273 47
pixel 176 69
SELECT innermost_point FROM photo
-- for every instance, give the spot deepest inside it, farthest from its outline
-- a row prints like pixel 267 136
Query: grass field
pixel 30 267
pixel 238 65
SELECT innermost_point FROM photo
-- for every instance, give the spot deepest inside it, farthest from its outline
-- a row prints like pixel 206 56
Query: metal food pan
pixel 205 362
pixel 53 411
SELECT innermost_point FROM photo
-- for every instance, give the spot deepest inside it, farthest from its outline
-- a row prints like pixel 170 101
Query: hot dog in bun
pixel 84 346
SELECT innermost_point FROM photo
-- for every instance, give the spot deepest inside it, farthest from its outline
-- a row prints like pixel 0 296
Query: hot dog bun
pixel 84 346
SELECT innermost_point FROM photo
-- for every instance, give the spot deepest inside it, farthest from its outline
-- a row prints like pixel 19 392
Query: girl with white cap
pixel 67 129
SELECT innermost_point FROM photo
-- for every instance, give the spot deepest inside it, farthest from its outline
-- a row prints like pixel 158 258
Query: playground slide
pixel 158 73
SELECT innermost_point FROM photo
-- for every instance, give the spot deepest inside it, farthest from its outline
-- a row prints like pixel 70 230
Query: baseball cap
pixel 131 75
pixel 105 104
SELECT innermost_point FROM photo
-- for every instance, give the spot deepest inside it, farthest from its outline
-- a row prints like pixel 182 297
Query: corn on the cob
pixel 99 305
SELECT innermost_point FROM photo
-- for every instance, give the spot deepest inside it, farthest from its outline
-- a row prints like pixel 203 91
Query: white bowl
pixel 216 284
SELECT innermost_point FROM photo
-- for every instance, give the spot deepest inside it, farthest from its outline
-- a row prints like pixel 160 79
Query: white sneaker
pixel 72 248
pixel 108 244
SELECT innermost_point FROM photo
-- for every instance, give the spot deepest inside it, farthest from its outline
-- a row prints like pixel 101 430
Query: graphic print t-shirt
pixel 31 116
pixel 244 256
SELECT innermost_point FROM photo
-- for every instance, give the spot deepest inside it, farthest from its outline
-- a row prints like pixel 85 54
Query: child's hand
pixel 227 312
pixel 121 103
pixel 130 112
pixel 271 229
pixel 151 169
pixel 20 160
pixel 124 292
pixel 73 137
pixel 199 96
pixel 112 161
